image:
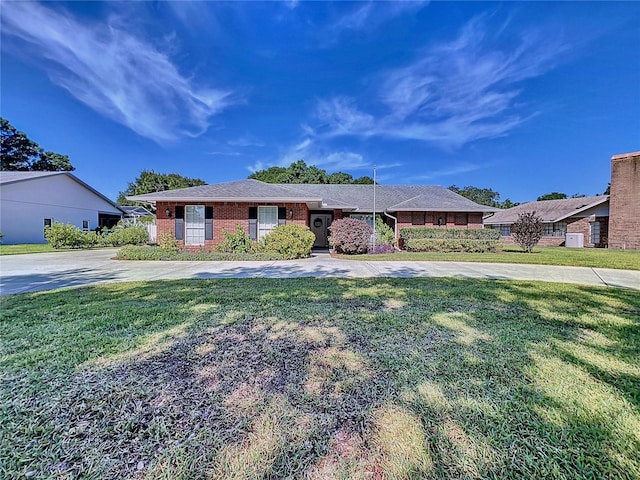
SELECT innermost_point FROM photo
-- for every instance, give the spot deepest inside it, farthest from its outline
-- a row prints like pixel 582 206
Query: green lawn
pixel 576 257
pixel 321 378
pixel 26 248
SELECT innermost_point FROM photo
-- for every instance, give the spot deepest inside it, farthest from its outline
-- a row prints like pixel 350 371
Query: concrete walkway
pixel 46 271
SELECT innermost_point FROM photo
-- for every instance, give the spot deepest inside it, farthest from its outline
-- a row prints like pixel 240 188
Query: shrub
pixel 527 230
pixel 237 242
pixel 452 245
pixel 449 233
pixel 383 248
pixel 61 235
pixel 350 236
pixel 290 241
pixel 384 233
pixel 125 235
pixel 167 241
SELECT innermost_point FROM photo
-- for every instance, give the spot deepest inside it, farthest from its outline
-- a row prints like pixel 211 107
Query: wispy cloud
pixel 245 141
pixel 312 154
pixel 456 169
pixel 370 15
pixel 455 93
pixel 114 72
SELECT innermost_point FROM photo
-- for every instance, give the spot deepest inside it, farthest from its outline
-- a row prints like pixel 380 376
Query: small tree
pixel 527 230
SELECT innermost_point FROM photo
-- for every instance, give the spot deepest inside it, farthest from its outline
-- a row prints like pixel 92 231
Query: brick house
pixel 624 219
pixel 198 216
pixel 586 215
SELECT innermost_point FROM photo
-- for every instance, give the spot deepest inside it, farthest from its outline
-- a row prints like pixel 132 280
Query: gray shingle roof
pixel 355 197
pixel 549 210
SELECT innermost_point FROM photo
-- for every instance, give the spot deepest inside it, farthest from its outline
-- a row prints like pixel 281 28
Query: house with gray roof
pixel 588 216
pixel 31 201
pixel 198 216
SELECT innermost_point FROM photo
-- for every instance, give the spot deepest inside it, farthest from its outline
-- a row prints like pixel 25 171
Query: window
pixel 505 229
pixel 461 219
pixel 194 225
pixel 417 218
pixel 47 223
pixel 594 229
pixel 85 225
pixel 558 229
pixel 366 218
pixel 267 220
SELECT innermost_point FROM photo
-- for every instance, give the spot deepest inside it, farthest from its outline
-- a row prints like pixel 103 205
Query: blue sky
pixel 523 98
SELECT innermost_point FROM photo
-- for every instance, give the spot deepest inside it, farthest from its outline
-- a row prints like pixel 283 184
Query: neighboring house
pixel 198 216
pixel 586 215
pixel 31 201
pixel 133 213
pixel 624 221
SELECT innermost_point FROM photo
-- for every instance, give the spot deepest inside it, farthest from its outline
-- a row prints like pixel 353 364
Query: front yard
pixel 575 257
pixel 321 378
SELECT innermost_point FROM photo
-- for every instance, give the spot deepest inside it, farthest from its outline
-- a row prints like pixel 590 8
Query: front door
pixel 319 224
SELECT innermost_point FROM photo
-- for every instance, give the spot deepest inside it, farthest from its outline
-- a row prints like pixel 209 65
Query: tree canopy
pixel 149 182
pixel 552 196
pixel 19 153
pixel 300 172
pixel 482 196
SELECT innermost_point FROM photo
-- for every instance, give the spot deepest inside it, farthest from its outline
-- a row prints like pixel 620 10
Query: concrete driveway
pixel 46 271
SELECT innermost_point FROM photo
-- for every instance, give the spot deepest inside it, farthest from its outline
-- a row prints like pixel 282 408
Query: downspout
pixel 395 227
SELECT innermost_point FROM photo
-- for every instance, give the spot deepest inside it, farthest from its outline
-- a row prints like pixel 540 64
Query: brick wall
pixel 226 215
pixel 624 203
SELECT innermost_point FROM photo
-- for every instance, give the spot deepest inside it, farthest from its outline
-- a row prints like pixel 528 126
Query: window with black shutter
pixel 253 223
pixel 208 223
pixel 179 222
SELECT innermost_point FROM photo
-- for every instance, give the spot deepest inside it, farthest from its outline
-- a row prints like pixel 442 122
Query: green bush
pixel 125 235
pixel 236 242
pixel 167 241
pixel 450 233
pixel 384 233
pixel 61 235
pixel 290 241
pixel 452 245
pixel 134 252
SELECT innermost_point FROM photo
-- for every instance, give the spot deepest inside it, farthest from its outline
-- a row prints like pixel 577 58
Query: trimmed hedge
pixel 452 245
pixel 450 233
pixel 61 235
pixel 132 252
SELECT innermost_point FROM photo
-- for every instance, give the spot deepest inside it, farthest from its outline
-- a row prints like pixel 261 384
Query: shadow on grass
pixel 322 378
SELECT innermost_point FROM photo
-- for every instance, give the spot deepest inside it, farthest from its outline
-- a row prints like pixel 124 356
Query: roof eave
pixel 580 210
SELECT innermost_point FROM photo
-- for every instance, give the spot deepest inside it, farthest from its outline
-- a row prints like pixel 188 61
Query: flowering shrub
pixel 350 236
pixel 383 248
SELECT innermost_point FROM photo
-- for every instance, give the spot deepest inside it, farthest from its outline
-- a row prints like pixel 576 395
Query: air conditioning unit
pixel 574 240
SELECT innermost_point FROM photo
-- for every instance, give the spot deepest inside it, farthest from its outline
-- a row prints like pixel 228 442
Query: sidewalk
pixel 46 271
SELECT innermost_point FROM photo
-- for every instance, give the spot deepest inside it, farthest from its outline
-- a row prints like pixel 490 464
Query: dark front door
pixel 319 224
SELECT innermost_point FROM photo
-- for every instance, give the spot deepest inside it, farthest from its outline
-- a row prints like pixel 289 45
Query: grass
pixel 26 248
pixel 319 379
pixel 576 257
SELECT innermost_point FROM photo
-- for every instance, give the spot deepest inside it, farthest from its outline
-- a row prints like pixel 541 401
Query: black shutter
pixel 208 223
pixel 253 223
pixel 282 215
pixel 179 223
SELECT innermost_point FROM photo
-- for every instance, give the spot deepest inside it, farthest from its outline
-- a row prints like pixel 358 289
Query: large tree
pixel 19 152
pixel 552 196
pixel 300 172
pixel 149 182
pixel 482 196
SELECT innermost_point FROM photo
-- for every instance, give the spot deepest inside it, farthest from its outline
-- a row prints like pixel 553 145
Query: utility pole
pixel 373 240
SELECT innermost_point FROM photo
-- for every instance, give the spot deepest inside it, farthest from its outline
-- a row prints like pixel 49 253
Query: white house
pixel 30 201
